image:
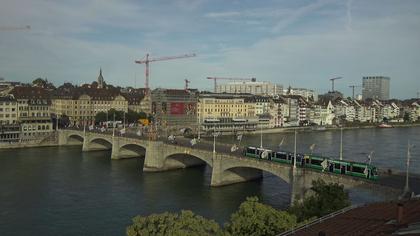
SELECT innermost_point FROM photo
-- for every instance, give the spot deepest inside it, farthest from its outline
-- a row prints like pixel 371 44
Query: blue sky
pixel 300 43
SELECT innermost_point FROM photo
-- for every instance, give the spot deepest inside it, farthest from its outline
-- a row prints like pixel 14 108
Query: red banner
pixel 177 108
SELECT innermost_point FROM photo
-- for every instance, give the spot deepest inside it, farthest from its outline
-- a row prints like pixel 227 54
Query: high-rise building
pixel 252 87
pixel 376 87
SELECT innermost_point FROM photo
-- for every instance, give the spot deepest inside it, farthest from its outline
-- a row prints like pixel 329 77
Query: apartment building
pixel 81 104
pixel 34 114
pixel 227 112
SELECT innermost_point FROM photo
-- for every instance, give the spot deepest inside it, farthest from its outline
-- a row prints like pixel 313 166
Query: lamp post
pixel 214 139
pixel 199 123
pixel 341 143
pixel 407 188
pixel 294 154
pixel 261 138
pixel 113 127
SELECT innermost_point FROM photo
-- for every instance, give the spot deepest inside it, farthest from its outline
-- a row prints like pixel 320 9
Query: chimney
pixel 400 213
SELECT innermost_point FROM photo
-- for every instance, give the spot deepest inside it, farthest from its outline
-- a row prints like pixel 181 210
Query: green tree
pixel 406 117
pixel 327 198
pixel 185 223
pixel 100 117
pixel 255 218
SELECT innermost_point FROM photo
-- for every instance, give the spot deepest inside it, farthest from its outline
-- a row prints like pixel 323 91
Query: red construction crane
pixel 147 61
pixel 186 84
pixel 332 82
pixel 234 79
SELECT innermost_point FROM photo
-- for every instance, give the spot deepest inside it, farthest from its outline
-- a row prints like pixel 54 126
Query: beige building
pixel 227 112
pixel 8 110
pixel 33 111
pixel 82 104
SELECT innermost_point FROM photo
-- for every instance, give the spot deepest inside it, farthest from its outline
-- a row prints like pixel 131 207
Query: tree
pixel 185 223
pixel 327 198
pixel 406 117
pixel 254 218
pixel 100 117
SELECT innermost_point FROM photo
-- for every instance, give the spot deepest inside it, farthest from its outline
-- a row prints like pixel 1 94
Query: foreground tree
pixel 185 223
pixel 255 218
pixel 326 199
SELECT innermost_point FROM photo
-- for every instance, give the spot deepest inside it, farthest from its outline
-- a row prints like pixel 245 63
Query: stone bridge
pixel 227 167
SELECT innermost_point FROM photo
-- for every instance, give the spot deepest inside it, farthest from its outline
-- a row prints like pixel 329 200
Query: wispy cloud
pixel 298 14
pixel 349 16
pixel 227 14
pixel 284 42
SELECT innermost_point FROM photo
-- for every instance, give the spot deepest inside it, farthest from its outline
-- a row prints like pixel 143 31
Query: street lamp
pixel 294 154
pixel 341 143
pixel 407 188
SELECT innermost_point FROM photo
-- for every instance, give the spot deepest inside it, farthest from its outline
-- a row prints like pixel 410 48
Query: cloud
pixel 349 17
pixel 299 13
pixel 73 39
pixel 227 14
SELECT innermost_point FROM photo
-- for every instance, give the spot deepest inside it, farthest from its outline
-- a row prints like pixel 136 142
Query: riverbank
pixel 48 141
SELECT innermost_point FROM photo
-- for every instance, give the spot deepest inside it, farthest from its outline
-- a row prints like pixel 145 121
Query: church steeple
pixel 101 81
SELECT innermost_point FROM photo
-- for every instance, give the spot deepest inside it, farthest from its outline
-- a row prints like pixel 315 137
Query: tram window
pixel 281 155
pixel 251 150
pixel 337 166
pixel 316 162
pixel 348 168
pixel 358 169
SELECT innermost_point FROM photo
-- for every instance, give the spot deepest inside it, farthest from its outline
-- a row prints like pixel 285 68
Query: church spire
pixel 101 81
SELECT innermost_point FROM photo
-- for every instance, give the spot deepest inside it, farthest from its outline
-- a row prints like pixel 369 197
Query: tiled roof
pixel 30 93
pixel 373 219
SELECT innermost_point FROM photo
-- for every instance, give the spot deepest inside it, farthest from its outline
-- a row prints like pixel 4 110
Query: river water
pixel 62 191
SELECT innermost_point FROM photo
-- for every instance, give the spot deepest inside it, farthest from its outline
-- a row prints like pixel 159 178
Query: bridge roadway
pixel 227 167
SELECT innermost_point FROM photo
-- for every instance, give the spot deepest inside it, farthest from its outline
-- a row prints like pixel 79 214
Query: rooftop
pixel 374 219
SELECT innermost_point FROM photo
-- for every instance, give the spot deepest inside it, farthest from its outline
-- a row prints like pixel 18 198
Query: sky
pixel 300 43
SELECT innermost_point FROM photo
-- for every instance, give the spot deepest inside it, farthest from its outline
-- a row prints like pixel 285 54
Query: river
pixel 62 191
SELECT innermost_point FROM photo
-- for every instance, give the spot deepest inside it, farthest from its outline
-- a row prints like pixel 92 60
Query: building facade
pixel 376 87
pixel 227 112
pixel 175 109
pixel 34 114
pixel 252 87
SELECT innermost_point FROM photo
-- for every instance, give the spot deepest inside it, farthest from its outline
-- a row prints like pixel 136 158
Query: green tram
pixel 315 162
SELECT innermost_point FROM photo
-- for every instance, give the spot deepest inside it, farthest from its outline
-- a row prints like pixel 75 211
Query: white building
pixel 308 94
pixel 252 87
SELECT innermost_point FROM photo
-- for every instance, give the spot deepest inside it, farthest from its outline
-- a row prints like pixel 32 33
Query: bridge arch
pixel 132 150
pixel 99 143
pixel 74 139
pixel 245 168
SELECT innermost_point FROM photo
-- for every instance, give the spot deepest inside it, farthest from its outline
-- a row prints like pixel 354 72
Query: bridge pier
pixel 299 185
pixel 115 153
pixel 85 147
pixel 222 177
pixel 154 159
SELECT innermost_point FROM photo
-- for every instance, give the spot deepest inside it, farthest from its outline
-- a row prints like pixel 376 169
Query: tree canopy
pixel 255 218
pixel 326 199
pixel 185 223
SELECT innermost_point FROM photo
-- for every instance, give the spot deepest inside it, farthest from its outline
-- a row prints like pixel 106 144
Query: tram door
pixel 343 169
